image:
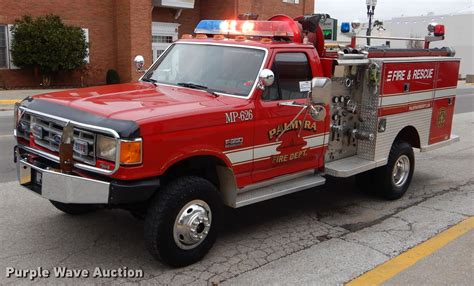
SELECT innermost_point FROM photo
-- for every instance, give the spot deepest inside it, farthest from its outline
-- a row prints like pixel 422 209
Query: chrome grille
pixel 23 128
pixel 51 132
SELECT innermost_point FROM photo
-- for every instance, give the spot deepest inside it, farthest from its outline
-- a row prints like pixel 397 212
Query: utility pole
pixel 370 13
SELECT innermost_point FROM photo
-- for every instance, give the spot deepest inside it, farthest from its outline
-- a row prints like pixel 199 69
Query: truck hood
pixel 133 101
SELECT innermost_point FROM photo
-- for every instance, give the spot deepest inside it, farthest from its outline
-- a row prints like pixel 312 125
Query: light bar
pixel 244 28
pixel 345 27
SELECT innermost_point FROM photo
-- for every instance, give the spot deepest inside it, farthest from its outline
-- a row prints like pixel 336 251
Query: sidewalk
pixel 9 97
pixel 463 85
pixel 451 265
pixel 445 259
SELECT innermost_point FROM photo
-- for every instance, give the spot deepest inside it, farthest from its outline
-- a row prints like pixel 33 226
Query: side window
pixel 289 69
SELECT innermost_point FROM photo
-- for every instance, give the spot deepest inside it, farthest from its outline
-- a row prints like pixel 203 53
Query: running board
pixel 351 166
pixel 277 187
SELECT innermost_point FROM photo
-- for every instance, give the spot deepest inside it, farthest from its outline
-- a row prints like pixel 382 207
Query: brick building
pixel 117 30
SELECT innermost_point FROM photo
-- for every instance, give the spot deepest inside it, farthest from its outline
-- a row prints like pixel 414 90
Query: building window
pixel 289 70
pixel 162 39
pixel 3 47
pixel 292 1
pixel 162 36
pixel 86 34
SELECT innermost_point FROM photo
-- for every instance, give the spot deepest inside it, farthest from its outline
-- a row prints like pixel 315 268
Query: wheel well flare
pixel 410 135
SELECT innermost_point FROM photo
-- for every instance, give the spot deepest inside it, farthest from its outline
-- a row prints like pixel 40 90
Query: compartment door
pixel 444 101
pixel 441 120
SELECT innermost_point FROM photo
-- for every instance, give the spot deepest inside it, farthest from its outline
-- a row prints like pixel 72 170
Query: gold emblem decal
pixel 307 125
pixel 442 114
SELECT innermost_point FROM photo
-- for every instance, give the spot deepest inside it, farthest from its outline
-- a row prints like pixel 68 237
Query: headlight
pixel 130 150
pixel 106 148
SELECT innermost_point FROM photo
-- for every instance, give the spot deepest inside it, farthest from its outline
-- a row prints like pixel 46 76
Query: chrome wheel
pixel 192 224
pixel 401 171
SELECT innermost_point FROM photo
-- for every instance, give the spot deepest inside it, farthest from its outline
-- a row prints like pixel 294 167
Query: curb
pixel 396 265
pixel 9 101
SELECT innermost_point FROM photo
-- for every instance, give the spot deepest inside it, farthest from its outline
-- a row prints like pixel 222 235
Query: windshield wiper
pixel 198 86
pixel 154 81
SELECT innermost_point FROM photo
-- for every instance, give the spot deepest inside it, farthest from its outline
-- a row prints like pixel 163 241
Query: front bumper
pixel 53 185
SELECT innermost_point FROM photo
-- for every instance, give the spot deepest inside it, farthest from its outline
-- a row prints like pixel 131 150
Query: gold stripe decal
pixel 265 151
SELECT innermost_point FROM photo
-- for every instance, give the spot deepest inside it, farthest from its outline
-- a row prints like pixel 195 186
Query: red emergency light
pixel 244 28
pixel 439 30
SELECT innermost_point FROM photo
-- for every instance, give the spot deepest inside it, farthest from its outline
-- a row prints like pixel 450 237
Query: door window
pixel 289 69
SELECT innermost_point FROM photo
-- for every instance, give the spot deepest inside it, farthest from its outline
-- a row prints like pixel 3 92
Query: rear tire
pixel 181 222
pixel 394 179
pixel 75 209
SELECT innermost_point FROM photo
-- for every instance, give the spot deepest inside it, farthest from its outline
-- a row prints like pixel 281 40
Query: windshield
pixel 223 69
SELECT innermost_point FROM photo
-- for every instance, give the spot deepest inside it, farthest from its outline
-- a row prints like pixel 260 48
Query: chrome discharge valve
pixel 363 135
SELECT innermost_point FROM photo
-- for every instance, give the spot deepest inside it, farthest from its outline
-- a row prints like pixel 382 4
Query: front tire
pixel 75 209
pixel 395 178
pixel 180 225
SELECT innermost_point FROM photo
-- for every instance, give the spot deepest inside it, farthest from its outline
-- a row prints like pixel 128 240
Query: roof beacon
pixel 244 28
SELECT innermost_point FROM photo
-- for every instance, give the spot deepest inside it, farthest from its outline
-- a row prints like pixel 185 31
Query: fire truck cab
pixel 239 113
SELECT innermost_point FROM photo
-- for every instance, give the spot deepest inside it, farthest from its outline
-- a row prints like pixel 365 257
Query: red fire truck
pixel 239 113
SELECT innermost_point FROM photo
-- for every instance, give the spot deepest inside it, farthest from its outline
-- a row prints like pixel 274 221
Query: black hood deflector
pixel 125 128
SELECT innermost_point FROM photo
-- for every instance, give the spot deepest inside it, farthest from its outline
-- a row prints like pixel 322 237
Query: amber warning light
pixel 131 152
pixel 244 28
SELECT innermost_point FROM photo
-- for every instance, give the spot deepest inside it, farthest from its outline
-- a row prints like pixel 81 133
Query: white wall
pixel 459 35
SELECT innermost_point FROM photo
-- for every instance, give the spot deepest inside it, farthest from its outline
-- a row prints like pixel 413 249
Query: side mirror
pixel 320 97
pixel 139 63
pixel 321 90
pixel 266 78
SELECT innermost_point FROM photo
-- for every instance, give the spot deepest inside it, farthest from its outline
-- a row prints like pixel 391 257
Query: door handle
pixel 318 112
pixel 291 103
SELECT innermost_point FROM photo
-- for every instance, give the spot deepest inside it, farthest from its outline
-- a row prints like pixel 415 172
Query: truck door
pixel 301 147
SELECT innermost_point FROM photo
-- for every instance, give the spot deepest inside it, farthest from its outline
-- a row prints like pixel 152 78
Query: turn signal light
pixel 131 152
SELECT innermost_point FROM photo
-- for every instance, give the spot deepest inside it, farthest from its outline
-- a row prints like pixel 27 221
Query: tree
pixel 47 45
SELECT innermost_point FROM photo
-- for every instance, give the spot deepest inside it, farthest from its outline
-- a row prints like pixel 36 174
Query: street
pixel 7 168
pixel 328 235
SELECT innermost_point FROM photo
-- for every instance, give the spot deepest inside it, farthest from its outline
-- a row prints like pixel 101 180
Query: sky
pixel 348 10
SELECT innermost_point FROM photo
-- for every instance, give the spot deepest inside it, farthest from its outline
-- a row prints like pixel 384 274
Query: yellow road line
pixel 389 269
pixel 9 101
